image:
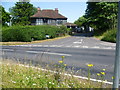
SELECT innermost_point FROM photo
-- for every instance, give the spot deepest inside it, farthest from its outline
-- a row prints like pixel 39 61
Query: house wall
pixel 46 21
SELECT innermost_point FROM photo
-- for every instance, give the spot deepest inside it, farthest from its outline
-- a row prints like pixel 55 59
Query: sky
pixel 71 10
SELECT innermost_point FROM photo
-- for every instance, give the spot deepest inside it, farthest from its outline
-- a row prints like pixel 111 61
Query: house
pixel 48 17
pixel 72 26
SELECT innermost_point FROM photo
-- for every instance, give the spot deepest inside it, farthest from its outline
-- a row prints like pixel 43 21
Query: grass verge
pixel 37 41
pixel 16 75
pixel 109 35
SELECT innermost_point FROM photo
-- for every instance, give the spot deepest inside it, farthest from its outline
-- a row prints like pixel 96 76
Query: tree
pixel 102 14
pixel 21 13
pixel 81 21
pixel 5 17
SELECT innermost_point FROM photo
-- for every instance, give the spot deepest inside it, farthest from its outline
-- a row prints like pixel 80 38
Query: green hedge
pixel 27 33
pixel 109 35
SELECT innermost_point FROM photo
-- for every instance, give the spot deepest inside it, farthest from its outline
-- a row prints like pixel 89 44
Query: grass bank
pixel 109 35
pixel 16 75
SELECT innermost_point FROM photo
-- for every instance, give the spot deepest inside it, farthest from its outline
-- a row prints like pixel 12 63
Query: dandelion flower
pixel 65 64
pixel 90 65
pixel 98 74
pixel 63 56
pixel 103 73
pixel 60 61
pixel 112 77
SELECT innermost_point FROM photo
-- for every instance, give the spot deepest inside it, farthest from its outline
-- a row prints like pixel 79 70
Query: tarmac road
pixel 78 51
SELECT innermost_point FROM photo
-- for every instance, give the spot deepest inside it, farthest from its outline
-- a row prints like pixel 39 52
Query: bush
pixel 27 33
pixel 109 35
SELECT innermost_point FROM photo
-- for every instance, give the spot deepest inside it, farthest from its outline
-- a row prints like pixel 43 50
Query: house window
pixel 39 22
pixel 59 22
pixel 64 21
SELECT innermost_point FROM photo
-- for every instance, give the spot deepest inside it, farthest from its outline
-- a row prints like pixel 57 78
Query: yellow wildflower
pixel 98 74
pixel 63 56
pixel 112 77
pixel 103 73
pixel 90 65
pixel 60 61
pixel 65 64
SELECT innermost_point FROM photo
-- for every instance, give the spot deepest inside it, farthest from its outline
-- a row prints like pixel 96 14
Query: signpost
pixel 117 57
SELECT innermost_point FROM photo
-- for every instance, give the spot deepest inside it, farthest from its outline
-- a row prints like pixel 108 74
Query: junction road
pixel 78 51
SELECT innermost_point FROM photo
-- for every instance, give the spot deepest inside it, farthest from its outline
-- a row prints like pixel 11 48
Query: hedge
pixel 29 33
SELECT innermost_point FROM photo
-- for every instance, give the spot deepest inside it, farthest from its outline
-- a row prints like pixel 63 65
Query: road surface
pixel 78 51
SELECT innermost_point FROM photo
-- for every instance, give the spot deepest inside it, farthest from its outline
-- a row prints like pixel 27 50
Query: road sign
pixel 117 57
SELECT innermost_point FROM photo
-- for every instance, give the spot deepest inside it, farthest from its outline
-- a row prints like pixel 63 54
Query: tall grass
pixel 110 35
pixel 16 75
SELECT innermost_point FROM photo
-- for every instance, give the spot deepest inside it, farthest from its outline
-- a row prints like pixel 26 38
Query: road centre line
pixel 61 54
pixel 72 46
pixel 7 49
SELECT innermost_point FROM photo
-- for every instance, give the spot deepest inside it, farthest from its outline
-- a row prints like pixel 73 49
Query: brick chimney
pixel 56 10
pixel 38 9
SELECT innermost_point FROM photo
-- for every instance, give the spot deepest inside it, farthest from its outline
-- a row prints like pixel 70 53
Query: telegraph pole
pixel 117 57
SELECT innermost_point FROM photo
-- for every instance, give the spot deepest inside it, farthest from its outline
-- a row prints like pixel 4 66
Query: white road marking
pixel 77 42
pixel 81 77
pixel 108 48
pixel 76 46
pixel 85 46
pixel 67 46
pixel 81 40
pixel 7 49
pixel 72 46
pixel 108 44
pixel 61 54
pixel 95 47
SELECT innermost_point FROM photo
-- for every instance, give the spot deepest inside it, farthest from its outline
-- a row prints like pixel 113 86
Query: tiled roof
pixel 48 13
pixel 70 24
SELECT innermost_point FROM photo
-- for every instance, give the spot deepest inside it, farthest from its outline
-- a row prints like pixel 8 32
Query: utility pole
pixel 117 57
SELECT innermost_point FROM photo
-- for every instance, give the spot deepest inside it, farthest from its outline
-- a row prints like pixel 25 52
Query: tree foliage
pixel 5 16
pixel 21 13
pixel 100 15
pixel 81 21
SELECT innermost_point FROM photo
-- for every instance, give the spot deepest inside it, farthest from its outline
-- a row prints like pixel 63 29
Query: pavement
pixel 78 51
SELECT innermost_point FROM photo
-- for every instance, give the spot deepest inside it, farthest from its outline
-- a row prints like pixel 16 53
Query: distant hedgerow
pixel 29 33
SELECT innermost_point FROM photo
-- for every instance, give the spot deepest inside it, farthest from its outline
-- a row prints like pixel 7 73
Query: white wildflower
pixel 49 82
pixel 34 83
pixel 13 82
pixel 34 77
pixel 27 78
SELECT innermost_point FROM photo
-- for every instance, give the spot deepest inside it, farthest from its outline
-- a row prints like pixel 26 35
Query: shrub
pixel 109 35
pixel 27 33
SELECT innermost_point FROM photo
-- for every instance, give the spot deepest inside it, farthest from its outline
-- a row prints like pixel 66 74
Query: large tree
pixel 21 13
pixel 102 14
pixel 5 16
pixel 81 21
